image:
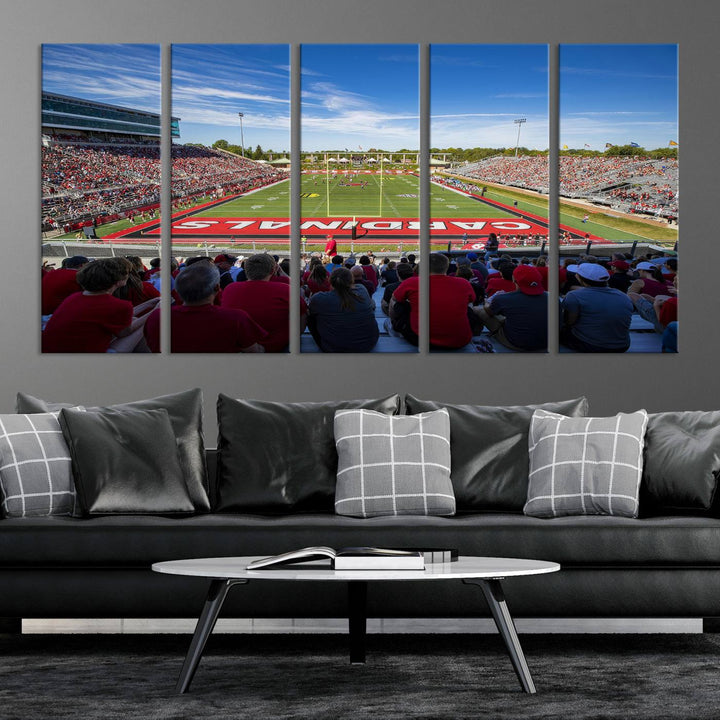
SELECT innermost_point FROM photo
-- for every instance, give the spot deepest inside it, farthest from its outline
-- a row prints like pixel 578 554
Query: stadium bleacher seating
pixel 626 183
pixel 94 180
pixel 643 338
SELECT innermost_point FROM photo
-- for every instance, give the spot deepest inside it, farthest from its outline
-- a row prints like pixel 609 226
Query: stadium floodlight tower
pixel 519 122
pixel 242 138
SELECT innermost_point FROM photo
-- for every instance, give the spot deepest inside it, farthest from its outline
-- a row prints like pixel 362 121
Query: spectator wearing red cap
pixel 596 318
pixel 225 264
pixel 266 302
pixel 331 246
pixel 198 325
pixel 519 319
pixel 619 278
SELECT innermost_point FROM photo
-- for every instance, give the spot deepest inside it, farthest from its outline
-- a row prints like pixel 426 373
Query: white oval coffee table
pixel 485 572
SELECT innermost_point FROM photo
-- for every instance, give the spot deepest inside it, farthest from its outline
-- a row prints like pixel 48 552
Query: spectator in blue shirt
pixel 596 318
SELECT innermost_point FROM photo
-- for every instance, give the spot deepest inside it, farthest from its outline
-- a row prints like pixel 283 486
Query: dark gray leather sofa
pixel 664 564
pixel 611 566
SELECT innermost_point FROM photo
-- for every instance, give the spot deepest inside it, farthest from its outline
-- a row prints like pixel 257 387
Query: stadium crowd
pixel 86 181
pixel 591 177
pixel 229 304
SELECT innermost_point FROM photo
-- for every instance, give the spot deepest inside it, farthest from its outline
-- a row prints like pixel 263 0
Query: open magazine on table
pixel 349 558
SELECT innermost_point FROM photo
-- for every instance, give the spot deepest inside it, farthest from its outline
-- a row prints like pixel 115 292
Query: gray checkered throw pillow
pixel 585 465
pixel 35 470
pixel 393 465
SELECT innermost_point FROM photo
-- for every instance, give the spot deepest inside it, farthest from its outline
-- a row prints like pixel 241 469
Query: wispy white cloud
pixel 333 116
pixel 605 113
pixel 520 96
pixel 471 115
pixel 608 73
pixel 127 75
pixel 487 131
pixel 596 131
pixel 197 94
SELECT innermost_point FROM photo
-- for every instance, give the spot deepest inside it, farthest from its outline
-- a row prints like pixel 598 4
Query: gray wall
pixel 656 382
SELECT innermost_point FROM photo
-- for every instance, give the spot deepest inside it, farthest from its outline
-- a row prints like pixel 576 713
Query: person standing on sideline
pixel 331 246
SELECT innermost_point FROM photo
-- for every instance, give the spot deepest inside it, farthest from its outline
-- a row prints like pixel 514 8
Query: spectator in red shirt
pixel 542 267
pixel 93 320
pixel 316 279
pixel 267 303
pixel 370 272
pixel 136 290
pixel 669 269
pixel 650 281
pixel 660 310
pixel 503 280
pixel 58 284
pixel 331 246
pixel 449 301
pixel 198 325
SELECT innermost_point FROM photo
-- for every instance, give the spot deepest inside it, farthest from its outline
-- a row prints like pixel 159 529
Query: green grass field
pixel 397 196
pixel 354 201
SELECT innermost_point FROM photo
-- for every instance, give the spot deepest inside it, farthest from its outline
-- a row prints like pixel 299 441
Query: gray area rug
pixel 308 676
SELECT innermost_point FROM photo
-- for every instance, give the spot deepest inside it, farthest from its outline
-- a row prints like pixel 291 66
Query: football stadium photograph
pixel 356 255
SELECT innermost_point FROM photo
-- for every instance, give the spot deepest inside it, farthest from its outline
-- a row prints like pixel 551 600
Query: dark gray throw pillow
pixel 489 450
pixel 682 462
pixel 125 462
pixel 185 412
pixel 276 457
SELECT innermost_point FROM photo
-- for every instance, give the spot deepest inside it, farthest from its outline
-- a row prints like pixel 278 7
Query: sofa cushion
pixel 185 411
pixel 125 462
pixel 276 457
pixel 489 450
pixel 35 473
pixel 138 541
pixel 682 462
pixel 585 466
pixel 393 465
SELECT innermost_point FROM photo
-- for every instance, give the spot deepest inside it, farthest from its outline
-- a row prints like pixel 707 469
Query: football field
pixel 376 209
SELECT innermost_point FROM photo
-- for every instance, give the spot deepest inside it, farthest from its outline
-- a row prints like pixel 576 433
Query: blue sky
pixel 476 91
pixel 126 75
pixel 618 94
pixel 360 96
pixel 213 83
pixel 367 95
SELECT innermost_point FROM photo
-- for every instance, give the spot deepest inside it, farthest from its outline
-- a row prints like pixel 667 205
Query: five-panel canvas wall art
pixel 394 173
